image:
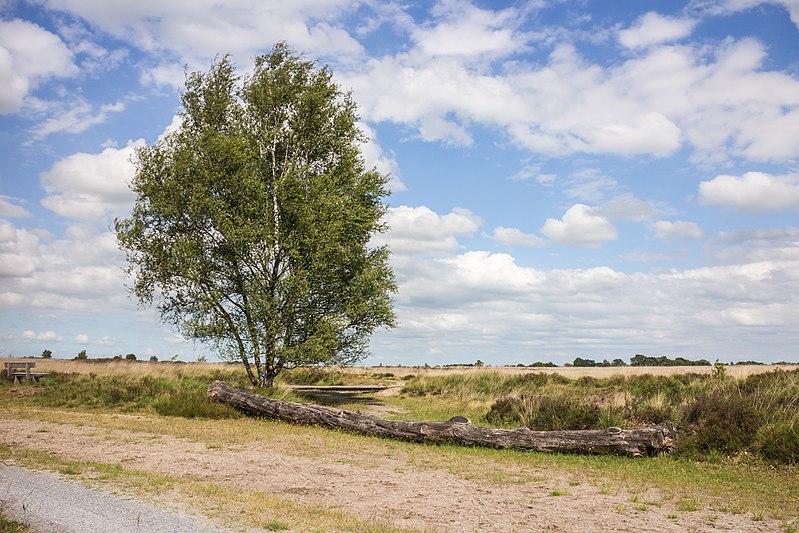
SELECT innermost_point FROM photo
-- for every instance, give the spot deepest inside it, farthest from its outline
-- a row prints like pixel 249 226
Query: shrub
pixel 719 420
pixel 779 441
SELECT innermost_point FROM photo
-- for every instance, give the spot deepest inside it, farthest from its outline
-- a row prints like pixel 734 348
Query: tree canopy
pixel 252 224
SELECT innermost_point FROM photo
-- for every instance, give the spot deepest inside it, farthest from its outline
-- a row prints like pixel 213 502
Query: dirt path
pixel 390 490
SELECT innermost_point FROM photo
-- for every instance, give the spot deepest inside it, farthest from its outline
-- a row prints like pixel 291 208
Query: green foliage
pixel 82 355
pixel 546 412
pixel 779 441
pixel 130 357
pixel 643 360
pixel 253 220
pixel 10 526
pixel 153 359
pixel 192 404
pixel 47 354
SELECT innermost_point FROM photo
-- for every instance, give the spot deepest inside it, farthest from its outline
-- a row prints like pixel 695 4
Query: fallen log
pixel 457 430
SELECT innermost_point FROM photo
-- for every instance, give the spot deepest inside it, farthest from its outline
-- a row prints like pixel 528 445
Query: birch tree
pixel 252 224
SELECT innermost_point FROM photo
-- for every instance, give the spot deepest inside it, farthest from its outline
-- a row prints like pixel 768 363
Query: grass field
pixel 713 474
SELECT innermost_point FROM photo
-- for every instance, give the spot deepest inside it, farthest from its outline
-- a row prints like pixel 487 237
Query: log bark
pixel 457 430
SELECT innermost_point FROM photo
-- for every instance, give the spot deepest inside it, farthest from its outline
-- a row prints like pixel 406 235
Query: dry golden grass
pixel 132 368
pixel 171 370
pixel 737 371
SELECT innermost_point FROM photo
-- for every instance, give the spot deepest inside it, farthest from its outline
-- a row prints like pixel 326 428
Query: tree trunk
pixel 457 430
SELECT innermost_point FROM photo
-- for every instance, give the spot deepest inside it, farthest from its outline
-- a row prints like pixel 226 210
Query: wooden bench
pixel 22 369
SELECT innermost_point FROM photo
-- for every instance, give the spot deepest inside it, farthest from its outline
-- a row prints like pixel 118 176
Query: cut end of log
pixel 460 420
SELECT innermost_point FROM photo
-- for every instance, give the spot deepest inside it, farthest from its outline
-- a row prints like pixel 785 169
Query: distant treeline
pixel 643 360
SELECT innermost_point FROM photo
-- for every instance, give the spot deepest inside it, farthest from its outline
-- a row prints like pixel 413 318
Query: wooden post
pixel 458 430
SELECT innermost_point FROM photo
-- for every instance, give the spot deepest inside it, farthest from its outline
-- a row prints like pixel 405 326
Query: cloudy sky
pixel 570 177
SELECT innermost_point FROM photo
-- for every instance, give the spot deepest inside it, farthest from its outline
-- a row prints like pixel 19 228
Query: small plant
pixel 559 492
pixel 689 504
pixel 276 525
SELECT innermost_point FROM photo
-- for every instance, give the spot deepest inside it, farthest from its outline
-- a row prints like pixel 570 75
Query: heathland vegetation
pixel 736 424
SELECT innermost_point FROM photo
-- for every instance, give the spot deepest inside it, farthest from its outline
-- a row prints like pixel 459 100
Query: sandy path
pixel 389 490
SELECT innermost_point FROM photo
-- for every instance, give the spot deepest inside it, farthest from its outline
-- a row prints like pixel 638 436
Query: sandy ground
pixel 389 490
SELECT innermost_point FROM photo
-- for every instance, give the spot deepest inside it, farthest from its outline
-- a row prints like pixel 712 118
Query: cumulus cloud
pixel 19 251
pixel 91 187
pixel 463 29
pixel 29 54
pixel 580 226
pixel 752 192
pixel 653 28
pixel 720 100
pixel 515 237
pixel 42 336
pixel 420 230
pixel 679 229
pixel 499 307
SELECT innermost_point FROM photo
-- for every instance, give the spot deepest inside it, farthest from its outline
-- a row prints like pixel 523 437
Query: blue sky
pixel 570 178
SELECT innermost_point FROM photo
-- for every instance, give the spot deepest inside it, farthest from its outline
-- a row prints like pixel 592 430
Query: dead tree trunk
pixel 458 430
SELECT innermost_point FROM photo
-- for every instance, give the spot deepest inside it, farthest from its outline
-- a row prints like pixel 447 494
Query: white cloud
pixel 588 184
pixel 195 31
pixel 580 226
pixel 515 237
pixel 463 29
pixel 653 28
pixel 752 192
pixel 29 54
pixel 77 119
pixel 375 157
pixel 498 308
pixel 19 251
pixel 42 336
pixel 719 99
pixel 628 208
pixel 420 230
pixel 723 7
pixel 11 210
pixel 679 229
pixel 82 338
pixel 91 187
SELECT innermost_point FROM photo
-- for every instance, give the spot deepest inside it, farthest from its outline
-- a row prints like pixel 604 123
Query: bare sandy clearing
pixel 390 488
